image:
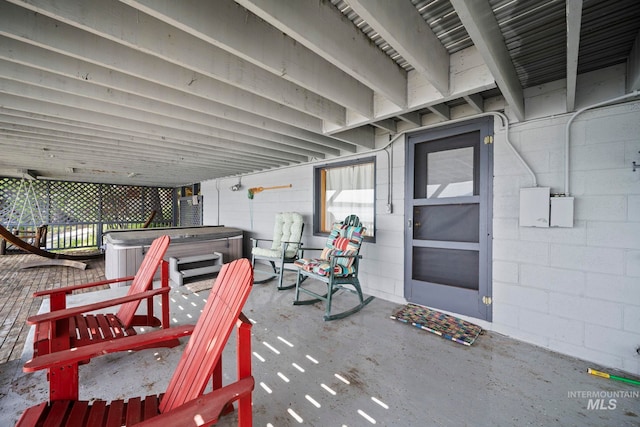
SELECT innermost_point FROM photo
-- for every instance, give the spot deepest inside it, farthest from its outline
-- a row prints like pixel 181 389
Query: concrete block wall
pixel 382 266
pixel 573 290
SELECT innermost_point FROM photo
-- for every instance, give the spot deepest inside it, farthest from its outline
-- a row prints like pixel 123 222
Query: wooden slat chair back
pixel 204 350
pixel 86 328
pixel 143 280
pixel 183 403
pixel 63 328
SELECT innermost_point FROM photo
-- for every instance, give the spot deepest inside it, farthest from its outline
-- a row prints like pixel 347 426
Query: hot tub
pixel 125 249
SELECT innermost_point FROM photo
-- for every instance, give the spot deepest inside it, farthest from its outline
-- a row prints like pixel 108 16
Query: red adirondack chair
pixel 63 328
pixel 184 402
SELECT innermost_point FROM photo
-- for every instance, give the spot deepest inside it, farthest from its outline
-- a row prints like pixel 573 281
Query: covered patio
pixel 355 372
pixel 490 147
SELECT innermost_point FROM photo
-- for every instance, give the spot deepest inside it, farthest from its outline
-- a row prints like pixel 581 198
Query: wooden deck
pixel 17 286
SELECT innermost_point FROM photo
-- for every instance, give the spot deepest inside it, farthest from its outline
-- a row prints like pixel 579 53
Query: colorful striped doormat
pixel 448 327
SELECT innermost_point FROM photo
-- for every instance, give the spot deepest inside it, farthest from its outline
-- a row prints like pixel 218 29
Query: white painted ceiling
pixel 169 93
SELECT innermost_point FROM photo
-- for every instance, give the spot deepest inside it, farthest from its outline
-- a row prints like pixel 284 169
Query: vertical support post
pixel 174 202
pixel 243 351
pixel 216 375
pixel 216 383
pixel 164 282
pixel 63 380
pixel 100 225
pixel 58 301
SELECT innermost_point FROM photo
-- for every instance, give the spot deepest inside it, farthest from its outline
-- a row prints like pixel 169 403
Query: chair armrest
pixel 206 409
pixel 333 258
pixel 73 311
pixel 311 249
pixel 253 239
pixel 345 256
pixel 69 289
pixel 78 354
pixel 286 244
pixel 256 242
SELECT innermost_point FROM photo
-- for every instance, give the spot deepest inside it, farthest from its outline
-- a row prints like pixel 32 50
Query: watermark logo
pixel 595 404
pixel 603 400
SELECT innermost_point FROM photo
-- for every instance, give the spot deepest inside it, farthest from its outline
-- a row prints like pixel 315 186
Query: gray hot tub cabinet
pixel 125 249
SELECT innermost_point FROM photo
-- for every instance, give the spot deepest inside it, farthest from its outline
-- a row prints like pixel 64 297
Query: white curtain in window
pixel 350 190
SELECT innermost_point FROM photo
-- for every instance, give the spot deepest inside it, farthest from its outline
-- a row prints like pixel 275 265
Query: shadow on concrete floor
pixel 363 370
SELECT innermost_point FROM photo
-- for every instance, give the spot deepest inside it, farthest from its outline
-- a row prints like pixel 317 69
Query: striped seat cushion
pixel 343 240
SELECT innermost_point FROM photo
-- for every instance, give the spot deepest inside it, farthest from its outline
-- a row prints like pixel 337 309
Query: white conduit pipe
pixel 568 126
pixel 505 124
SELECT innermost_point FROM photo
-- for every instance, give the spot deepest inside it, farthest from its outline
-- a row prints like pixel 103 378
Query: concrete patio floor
pixel 360 371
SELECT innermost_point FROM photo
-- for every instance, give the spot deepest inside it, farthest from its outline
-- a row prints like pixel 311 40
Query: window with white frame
pixel 343 189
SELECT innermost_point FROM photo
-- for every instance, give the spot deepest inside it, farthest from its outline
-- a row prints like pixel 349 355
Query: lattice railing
pixel 78 213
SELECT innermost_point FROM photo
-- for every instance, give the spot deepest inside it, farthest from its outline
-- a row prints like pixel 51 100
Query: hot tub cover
pixel 177 234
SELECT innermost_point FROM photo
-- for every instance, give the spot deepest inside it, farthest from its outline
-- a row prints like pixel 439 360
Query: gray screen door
pixel 448 210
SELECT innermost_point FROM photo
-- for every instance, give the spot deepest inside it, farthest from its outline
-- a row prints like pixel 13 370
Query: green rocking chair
pixel 285 246
pixel 337 267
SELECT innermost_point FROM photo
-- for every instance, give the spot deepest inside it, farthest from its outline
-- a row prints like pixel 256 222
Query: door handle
pixel 410 223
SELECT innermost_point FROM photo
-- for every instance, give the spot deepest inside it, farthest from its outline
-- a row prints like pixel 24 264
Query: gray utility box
pixel 539 209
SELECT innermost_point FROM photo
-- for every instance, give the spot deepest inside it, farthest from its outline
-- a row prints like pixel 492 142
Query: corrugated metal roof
pixel 371 33
pixel 535 35
pixel 609 29
pixel 444 21
pixel 440 16
pixel 534 32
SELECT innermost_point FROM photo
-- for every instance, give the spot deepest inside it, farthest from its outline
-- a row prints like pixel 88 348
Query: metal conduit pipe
pixel 568 135
pixel 505 125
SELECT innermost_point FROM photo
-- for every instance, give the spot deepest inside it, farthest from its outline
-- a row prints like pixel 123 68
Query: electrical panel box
pixel 534 207
pixel 562 211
